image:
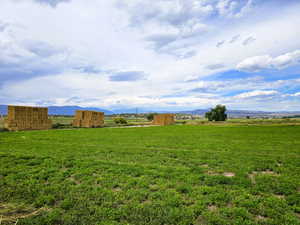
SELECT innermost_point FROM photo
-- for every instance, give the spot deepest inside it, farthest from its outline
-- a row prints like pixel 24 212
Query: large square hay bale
pixel 164 119
pixel 27 118
pixel 85 118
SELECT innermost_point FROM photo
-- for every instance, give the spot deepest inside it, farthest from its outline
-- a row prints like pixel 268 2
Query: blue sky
pixel 163 54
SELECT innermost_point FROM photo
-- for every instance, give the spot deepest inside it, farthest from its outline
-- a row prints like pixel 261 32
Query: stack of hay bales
pixel 27 118
pixel 163 119
pixel 84 118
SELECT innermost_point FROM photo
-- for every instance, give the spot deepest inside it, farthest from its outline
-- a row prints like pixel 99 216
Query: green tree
pixel 217 113
pixel 120 120
pixel 150 116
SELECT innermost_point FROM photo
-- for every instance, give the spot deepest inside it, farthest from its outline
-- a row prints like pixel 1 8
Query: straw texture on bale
pixel 84 118
pixel 27 118
pixel 163 119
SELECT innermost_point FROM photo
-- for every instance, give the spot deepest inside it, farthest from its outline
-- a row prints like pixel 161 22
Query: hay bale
pixel 27 118
pixel 164 119
pixel 85 118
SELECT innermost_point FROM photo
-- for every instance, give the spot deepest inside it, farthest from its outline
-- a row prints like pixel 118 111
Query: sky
pixel 160 55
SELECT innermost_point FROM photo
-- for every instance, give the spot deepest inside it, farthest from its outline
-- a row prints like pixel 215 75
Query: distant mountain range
pixel 70 110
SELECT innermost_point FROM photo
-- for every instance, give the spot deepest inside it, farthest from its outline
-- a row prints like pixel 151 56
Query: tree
pixel 150 116
pixel 120 120
pixel 217 114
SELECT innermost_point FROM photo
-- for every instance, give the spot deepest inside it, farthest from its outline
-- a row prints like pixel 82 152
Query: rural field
pixel 179 175
pixel 66 121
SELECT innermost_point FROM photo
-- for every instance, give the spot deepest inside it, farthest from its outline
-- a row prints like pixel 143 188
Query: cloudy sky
pixel 162 54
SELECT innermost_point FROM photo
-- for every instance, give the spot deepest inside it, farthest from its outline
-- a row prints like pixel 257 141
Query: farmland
pixel 180 174
pixel 66 121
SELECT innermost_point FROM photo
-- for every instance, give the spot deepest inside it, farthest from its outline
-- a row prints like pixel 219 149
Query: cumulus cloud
pixel 226 7
pixel 287 59
pixel 166 11
pixel 187 18
pixel 234 8
pixel 258 63
pixel 297 94
pixel 255 64
pixel 79 49
pixel 256 94
pixel 231 86
pixel 172 22
pixel 22 57
pixel 28 58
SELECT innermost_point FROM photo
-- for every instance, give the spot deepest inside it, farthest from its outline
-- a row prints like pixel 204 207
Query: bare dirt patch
pixel 204 165
pixel 154 187
pixel 252 178
pixel 64 169
pixel 147 201
pixel 225 174
pixel 230 205
pixel 229 174
pixel 268 172
pixel 72 178
pixel 11 213
pixel 212 208
pixel 253 174
pixel 212 173
pixel 117 189
pixel 280 196
pixel 200 221
pixel 261 218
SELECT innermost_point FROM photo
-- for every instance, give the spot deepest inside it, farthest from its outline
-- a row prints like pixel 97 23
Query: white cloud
pixel 287 59
pixel 297 94
pixel 249 40
pixel 233 8
pixel 168 41
pixel 256 94
pixel 257 63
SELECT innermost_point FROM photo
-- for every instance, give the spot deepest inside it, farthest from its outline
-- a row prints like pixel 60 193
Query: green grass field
pixel 66 121
pixel 253 121
pixel 179 175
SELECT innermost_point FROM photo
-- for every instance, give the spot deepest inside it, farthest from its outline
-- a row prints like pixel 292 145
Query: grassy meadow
pixel 179 175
